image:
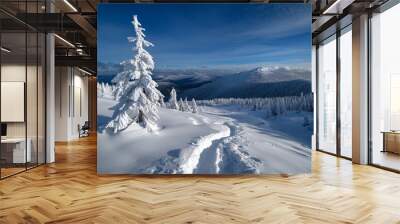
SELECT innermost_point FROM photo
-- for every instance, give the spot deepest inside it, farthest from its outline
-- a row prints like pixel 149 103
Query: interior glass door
pixel 385 89
pixel 15 149
pixel 346 92
pixel 327 95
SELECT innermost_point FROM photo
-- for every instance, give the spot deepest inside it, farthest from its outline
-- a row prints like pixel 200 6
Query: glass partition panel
pixel 14 153
pixel 31 98
pixel 346 92
pixel 327 95
pixel 385 89
pixel 22 66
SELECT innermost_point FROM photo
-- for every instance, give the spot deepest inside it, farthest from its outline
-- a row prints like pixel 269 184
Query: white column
pixel 50 99
pixel 360 90
pixel 50 92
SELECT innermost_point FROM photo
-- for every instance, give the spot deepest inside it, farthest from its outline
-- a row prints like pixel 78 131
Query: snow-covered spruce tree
pixel 100 89
pixel 181 105
pixel 162 103
pixel 194 106
pixel 187 106
pixel 139 99
pixel 122 79
pixel 173 102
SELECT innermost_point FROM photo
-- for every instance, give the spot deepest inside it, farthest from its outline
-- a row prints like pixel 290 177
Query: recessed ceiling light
pixel 64 40
pixel 337 7
pixel 84 71
pixel 70 5
pixel 5 50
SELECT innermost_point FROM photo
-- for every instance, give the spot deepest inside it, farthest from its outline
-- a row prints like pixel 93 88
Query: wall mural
pixel 204 89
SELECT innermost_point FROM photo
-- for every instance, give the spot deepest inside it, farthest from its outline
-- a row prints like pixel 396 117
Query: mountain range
pixel 259 82
pixel 217 83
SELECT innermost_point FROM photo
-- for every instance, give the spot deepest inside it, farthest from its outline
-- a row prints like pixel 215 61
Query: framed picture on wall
pixel 204 89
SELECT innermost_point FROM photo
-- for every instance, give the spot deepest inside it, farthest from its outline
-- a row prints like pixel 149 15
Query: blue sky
pixel 209 35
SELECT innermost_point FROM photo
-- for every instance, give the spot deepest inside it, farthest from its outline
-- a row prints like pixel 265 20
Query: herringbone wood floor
pixel 70 191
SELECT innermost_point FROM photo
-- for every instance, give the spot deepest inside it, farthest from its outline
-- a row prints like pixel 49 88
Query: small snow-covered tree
pixel 105 90
pixel 187 106
pixel 194 106
pixel 162 103
pixel 181 105
pixel 139 97
pixel 100 89
pixel 272 105
pixel 173 102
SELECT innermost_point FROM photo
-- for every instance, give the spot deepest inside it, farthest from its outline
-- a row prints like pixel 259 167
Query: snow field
pixel 217 140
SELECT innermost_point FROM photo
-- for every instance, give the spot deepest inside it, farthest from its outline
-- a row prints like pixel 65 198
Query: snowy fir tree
pixel 139 97
pixel 187 106
pixel 272 106
pixel 194 106
pixel 105 90
pixel 181 105
pixel 173 102
pixel 162 103
pixel 122 79
pixel 100 89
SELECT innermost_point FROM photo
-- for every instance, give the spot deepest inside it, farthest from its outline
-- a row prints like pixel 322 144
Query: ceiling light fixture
pixel 84 71
pixel 5 50
pixel 79 51
pixel 337 7
pixel 70 5
pixel 64 40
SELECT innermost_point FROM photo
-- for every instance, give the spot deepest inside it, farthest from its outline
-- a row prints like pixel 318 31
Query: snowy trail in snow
pixel 241 142
pixel 229 154
pixel 252 146
pixel 220 152
pixel 189 157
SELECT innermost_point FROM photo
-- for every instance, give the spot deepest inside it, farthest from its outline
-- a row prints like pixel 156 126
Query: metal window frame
pixel 381 9
pixel 387 5
pixel 338 33
pixel 44 74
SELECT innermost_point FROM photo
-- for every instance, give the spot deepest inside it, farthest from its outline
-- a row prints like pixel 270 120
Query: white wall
pixel 79 117
pixel 17 73
pixel 70 84
pixel 61 103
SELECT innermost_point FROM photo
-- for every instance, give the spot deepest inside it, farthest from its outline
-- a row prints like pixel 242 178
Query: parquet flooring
pixel 70 191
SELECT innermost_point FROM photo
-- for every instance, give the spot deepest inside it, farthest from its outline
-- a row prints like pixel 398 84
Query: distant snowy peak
pixel 265 69
pixel 258 82
pixel 266 74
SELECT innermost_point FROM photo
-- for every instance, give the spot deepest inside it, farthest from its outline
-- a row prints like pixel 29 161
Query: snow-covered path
pixel 255 145
pixel 228 154
pixel 217 140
